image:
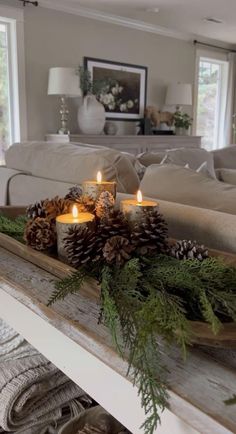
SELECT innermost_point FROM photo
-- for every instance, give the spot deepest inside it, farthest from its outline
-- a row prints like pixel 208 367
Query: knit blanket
pixel 35 397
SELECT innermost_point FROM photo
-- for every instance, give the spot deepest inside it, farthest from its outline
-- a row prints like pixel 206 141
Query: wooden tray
pixel 202 333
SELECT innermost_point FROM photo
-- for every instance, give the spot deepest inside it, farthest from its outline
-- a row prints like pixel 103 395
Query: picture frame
pixel 125 94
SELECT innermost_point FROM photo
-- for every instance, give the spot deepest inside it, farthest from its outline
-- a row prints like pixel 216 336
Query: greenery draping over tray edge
pixel 145 290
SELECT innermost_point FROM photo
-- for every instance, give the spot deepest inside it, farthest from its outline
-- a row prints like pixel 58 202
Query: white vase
pixel 91 116
pixel 181 131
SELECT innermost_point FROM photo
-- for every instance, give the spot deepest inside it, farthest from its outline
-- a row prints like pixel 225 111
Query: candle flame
pixel 139 197
pixel 99 176
pixel 75 212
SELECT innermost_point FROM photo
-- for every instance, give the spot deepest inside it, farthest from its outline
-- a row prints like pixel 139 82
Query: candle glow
pixel 99 177
pixel 75 212
pixel 139 197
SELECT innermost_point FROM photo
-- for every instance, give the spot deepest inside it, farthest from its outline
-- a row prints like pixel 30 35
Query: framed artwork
pixel 125 88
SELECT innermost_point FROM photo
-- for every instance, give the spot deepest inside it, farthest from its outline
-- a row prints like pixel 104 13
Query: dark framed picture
pixel 124 92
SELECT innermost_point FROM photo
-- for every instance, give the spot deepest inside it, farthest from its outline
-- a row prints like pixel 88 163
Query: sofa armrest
pixel 6 175
pixel 213 228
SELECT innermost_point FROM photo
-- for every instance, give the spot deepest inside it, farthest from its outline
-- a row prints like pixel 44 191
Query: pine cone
pixel 150 235
pixel 56 206
pixel 189 250
pixel 86 204
pixel 117 250
pixel 105 205
pixel 35 210
pixel 112 225
pixel 74 193
pixel 40 234
pixel 81 246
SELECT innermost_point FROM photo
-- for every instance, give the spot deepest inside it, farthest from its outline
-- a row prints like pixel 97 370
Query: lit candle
pixel 93 189
pixel 135 209
pixel 66 221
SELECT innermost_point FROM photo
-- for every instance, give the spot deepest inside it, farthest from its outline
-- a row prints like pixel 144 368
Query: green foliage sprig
pixel 13 228
pixel 158 296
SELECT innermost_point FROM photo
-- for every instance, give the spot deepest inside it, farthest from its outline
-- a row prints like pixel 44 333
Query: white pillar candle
pixel 135 209
pixel 93 189
pixel 65 221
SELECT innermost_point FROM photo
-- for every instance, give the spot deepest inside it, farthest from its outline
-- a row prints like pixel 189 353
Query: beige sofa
pixel 37 170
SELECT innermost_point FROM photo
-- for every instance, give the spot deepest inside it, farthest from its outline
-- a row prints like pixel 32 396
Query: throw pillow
pixel 194 157
pixel 227 175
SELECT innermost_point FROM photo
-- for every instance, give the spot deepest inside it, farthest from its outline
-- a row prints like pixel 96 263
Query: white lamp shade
pixel 179 94
pixel 63 81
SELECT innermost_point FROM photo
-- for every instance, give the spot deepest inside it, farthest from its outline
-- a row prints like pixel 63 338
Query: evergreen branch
pixel 230 401
pixel 69 285
pixel 13 228
pixel 109 309
pixel 208 312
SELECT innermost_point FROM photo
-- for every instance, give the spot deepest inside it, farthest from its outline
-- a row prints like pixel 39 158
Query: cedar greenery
pixel 13 228
pixel 152 296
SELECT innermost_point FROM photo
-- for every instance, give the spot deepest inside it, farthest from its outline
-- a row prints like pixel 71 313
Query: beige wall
pixel 58 39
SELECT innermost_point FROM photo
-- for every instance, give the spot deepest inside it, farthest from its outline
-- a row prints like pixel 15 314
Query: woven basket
pixel 97 417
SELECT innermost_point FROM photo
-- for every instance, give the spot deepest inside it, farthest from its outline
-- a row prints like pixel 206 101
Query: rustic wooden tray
pixel 202 333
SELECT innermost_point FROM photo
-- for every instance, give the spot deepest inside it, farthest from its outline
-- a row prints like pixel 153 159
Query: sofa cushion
pixel 227 175
pixel 225 157
pixel 73 163
pixel 193 157
pixel 178 184
pixel 148 158
pixel 214 229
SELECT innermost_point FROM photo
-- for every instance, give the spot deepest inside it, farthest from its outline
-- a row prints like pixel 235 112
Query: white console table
pixel 137 144
pixel 133 144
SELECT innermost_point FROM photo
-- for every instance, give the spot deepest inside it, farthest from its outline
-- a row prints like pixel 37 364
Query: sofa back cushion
pixel 148 158
pixel 178 184
pixel 73 163
pixel 194 157
pixel 225 158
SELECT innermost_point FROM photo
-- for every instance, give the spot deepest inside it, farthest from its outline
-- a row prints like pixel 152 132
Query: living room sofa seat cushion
pixel 213 228
pixel 178 184
pixel 73 163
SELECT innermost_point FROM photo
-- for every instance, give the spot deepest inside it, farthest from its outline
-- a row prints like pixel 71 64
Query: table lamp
pixel 64 82
pixel 179 94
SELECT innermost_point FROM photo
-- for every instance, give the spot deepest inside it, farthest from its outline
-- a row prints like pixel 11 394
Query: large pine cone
pixel 188 249
pixel 105 205
pixel 114 224
pixel 86 204
pixel 40 234
pixel 56 206
pixel 150 235
pixel 74 193
pixel 81 246
pixel 36 210
pixel 117 250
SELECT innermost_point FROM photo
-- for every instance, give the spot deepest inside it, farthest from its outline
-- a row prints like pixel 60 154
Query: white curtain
pixel 230 110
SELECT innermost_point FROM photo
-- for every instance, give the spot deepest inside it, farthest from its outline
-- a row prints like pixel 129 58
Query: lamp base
pixel 64 112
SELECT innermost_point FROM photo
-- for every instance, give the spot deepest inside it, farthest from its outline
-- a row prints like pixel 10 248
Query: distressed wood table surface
pixel 68 334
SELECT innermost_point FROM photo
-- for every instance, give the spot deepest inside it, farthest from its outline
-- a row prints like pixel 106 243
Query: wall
pixel 57 39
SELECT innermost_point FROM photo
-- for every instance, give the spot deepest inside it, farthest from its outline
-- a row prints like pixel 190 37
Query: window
pixel 12 120
pixel 5 106
pixel 211 91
